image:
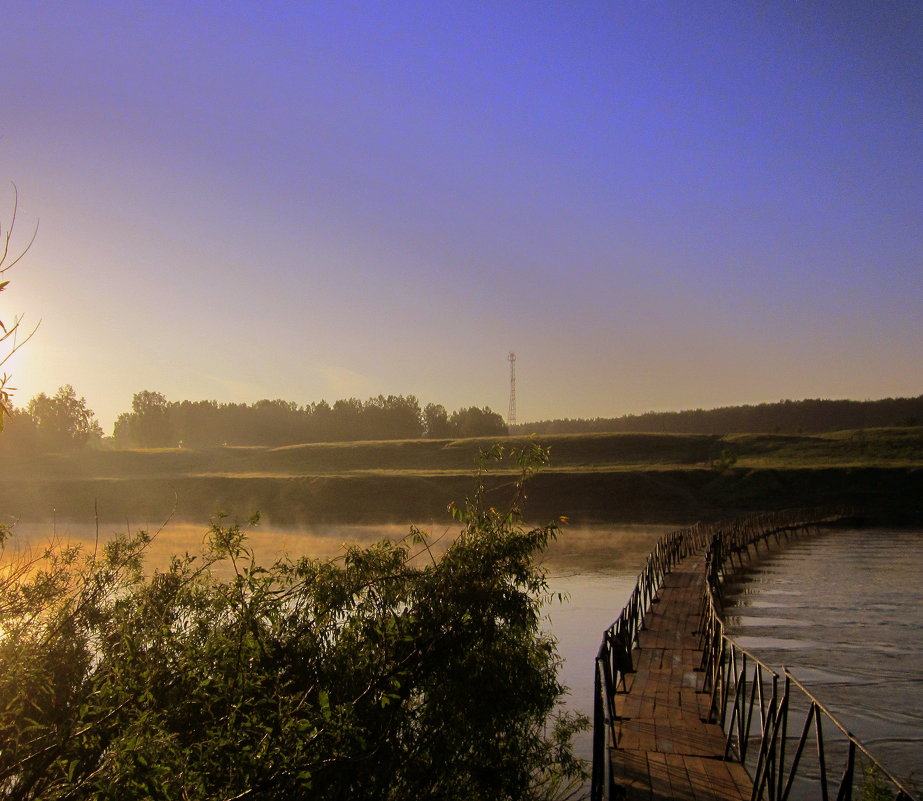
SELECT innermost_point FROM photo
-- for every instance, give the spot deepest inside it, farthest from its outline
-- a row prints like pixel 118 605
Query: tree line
pixel 64 421
pixel 812 416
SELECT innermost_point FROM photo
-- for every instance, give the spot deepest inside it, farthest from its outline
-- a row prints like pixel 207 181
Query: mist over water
pixel 596 569
pixel 593 567
pixel 267 543
pixel 844 612
pixel 586 550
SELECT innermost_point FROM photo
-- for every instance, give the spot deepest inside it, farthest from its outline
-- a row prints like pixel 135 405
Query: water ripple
pixel 853 603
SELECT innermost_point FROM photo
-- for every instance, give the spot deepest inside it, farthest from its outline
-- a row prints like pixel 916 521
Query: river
pixel 843 610
pixel 594 567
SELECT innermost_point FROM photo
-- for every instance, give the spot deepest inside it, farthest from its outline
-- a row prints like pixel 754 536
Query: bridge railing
pixel 615 659
pixel 755 705
pixel 760 710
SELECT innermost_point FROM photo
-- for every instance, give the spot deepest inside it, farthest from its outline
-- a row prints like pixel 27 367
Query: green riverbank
pixel 660 478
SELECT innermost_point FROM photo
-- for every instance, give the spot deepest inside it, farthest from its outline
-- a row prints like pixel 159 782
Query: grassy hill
pixel 672 478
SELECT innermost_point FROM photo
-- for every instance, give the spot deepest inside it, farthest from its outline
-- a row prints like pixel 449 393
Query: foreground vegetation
pixel 388 673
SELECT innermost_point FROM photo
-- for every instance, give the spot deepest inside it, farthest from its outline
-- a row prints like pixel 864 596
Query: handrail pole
pixel 744 713
pixel 784 720
pixel 754 683
pixel 740 691
pixel 821 760
pixel 763 778
pixel 809 719
pixel 845 791
pixel 599 749
pixel 730 674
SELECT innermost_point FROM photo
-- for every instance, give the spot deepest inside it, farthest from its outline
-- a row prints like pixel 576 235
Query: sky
pixel 655 205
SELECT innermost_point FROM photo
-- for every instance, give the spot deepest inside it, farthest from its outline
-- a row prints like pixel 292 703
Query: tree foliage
pixel 436 421
pixel 63 420
pixel 811 416
pixel 388 673
pixel 475 422
pixel 156 422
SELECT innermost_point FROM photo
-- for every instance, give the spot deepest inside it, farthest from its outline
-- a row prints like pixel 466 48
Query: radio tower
pixel 511 417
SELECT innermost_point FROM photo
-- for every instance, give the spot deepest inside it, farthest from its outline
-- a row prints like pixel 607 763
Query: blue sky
pixel 657 205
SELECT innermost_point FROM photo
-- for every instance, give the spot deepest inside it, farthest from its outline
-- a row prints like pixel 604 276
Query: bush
pixel 387 673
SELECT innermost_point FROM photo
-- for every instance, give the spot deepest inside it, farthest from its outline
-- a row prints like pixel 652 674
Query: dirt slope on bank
pixel 592 478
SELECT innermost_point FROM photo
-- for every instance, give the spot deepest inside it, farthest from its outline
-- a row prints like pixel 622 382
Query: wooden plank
pixel 665 750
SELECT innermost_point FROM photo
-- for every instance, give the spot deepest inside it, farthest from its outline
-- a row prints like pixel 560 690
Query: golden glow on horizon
pixel 651 224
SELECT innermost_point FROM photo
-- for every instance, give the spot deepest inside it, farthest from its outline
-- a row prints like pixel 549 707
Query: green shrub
pixel 387 673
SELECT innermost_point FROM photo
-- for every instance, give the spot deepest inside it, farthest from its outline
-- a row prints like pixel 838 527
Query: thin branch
pixel 21 254
pixel 17 345
pixel 9 233
pixel 9 230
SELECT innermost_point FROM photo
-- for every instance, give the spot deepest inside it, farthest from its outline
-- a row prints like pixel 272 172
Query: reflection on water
pixel 596 568
pixel 857 641
pixel 578 550
pixel 268 544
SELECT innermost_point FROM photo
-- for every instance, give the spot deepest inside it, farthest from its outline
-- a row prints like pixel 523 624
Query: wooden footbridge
pixel 665 750
pixel 682 712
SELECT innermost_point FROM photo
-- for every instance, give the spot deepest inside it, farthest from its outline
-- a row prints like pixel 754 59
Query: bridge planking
pixel 665 749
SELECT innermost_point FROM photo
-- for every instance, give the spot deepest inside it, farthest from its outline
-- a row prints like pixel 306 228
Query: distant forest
pixel 63 421
pixel 784 417
pixel 156 422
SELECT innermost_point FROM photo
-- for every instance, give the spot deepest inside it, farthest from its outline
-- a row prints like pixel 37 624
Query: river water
pixel 843 610
pixel 594 567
